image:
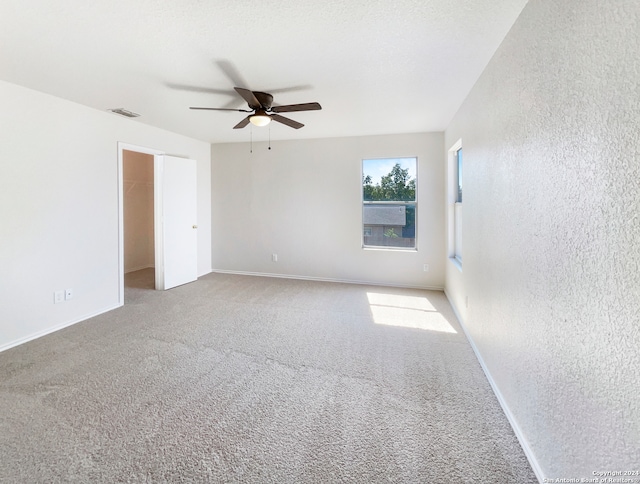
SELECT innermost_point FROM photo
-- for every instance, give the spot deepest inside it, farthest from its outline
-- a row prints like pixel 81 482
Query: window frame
pixel 459 163
pixel 413 202
pixel 454 205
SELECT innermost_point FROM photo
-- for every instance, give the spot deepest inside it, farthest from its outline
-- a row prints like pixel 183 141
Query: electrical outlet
pixel 58 297
pixel 68 294
pixel 425 267
pixel 274 257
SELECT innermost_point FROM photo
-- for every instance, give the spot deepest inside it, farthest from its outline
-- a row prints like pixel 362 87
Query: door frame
pixel 157 215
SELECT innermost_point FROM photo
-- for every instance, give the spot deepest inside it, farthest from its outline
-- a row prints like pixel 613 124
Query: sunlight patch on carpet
pixel 407 312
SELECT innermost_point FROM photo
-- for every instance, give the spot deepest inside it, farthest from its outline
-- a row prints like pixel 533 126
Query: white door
pixel 176 218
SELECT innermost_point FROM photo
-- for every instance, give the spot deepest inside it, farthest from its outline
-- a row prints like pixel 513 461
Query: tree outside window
pixel 389 202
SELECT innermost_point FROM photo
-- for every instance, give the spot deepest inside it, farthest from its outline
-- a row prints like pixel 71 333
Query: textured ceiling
pixel 377 67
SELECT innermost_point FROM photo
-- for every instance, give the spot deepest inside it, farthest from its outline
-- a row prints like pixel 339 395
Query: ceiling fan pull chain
pixel 269 136
pixel 251 137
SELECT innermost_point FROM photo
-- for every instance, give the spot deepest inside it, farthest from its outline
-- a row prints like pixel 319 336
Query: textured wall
pixel 303 201
pixel 551 231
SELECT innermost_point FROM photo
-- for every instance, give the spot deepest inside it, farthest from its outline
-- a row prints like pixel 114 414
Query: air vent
pixel 124 112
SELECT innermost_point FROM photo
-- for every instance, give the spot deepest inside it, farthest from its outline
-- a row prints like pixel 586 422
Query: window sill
pixel 390 249
pixel 456 262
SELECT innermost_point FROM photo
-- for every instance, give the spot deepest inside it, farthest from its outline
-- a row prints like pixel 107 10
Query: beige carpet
pixel 248 379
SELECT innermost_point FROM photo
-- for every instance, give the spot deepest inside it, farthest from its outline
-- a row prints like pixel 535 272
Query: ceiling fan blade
pixel 248 96
pixel 302 87
pixel 287 121
pixel 289 108
pixel 223 109
pixel 185 87
pixel 242 123
pixel 229 70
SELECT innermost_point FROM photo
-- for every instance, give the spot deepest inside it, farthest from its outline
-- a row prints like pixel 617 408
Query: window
pixel 389 202
pixel 455 203
pixel 459 175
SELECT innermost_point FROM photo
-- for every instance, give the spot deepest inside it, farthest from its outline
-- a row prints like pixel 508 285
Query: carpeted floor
pixel 248 379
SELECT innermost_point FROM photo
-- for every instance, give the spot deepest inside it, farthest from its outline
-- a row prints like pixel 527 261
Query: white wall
pixel 551 140
pixel 138 211
pixel 302 200
pixel 59 208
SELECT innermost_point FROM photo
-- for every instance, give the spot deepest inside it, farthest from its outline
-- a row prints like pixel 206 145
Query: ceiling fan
pixel 262 110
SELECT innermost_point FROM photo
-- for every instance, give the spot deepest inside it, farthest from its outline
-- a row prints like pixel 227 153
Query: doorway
pixel 139 154
pixel 166 194
pixel 138 219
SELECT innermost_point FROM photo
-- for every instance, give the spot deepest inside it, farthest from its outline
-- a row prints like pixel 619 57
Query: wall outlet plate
pixel 58 297
pixel 68 294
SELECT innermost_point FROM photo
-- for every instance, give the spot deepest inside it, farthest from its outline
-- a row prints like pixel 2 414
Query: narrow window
pixel 389 203
pixel 455 203
pixel 459 175
pixel 457 212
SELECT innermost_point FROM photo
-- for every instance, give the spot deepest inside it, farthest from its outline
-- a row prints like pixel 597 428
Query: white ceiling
pixel 375 66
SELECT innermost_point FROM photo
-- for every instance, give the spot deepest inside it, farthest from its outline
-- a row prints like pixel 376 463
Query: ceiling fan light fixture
pixel 260 118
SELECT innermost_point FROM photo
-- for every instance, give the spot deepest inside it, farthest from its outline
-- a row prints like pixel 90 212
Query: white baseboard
pixel 326 279
pixel 55 328
pixel 535 465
